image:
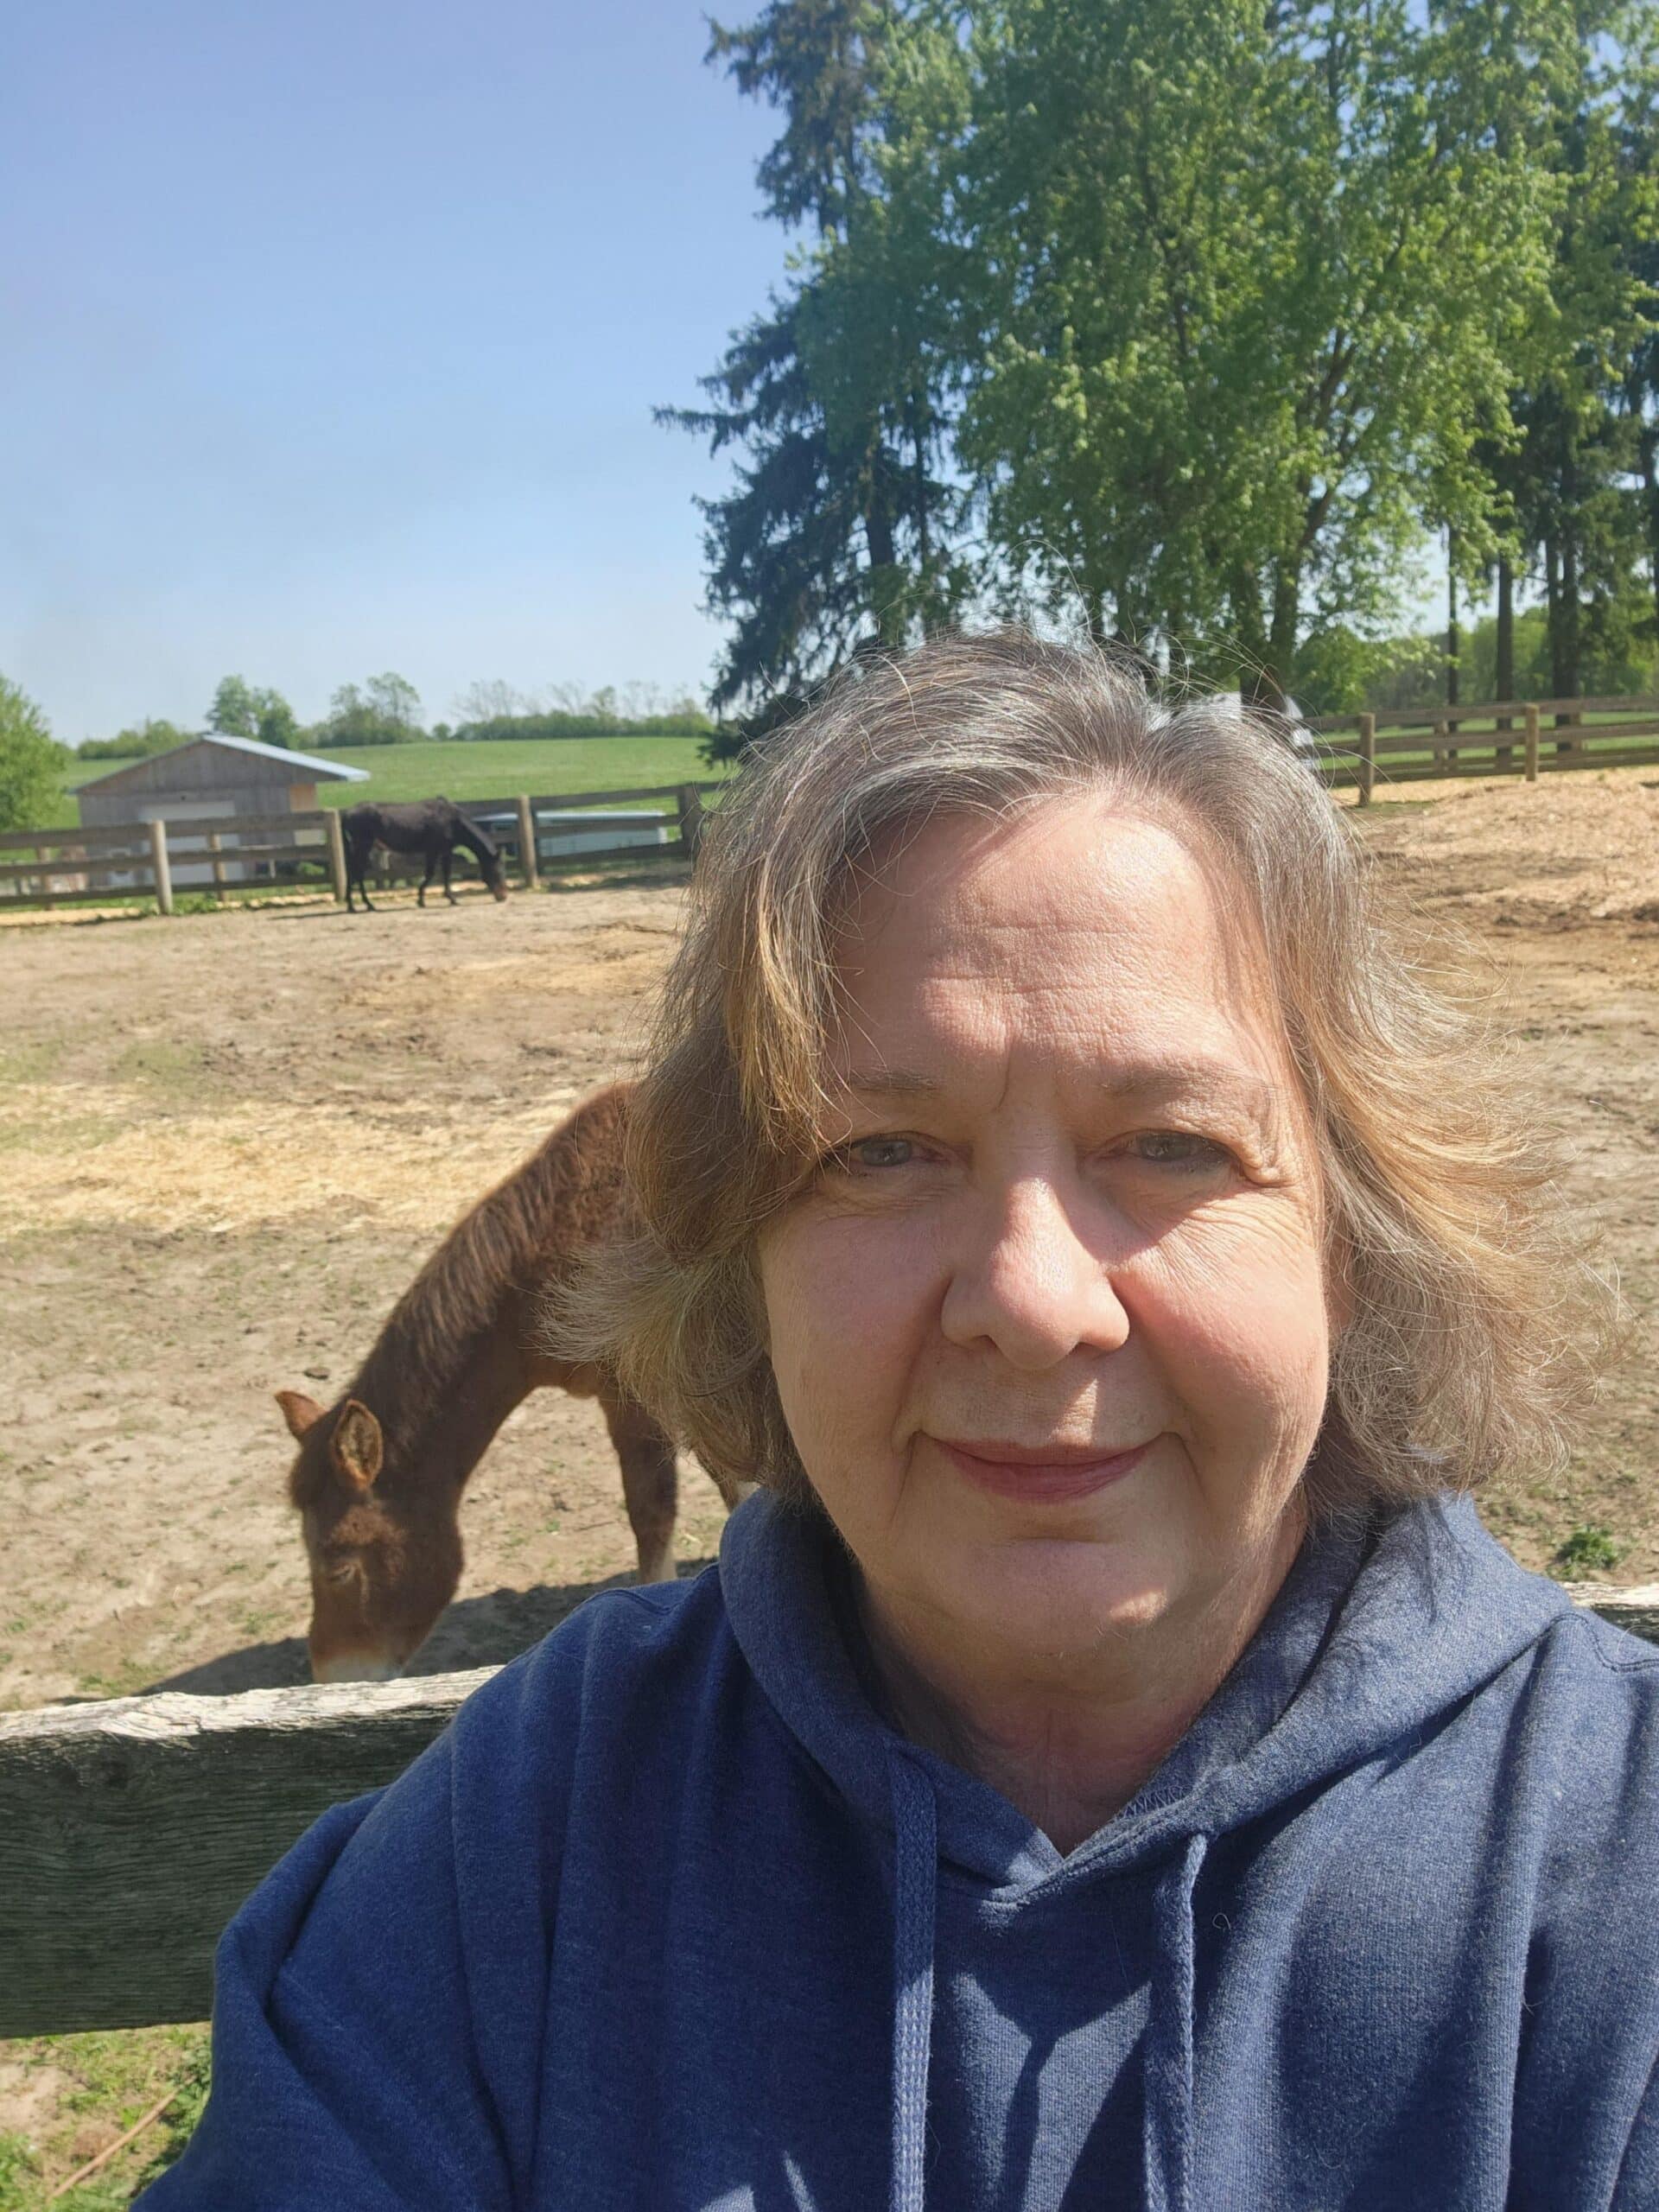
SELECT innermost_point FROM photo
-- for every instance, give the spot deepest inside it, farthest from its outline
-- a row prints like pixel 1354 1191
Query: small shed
pixel 213 780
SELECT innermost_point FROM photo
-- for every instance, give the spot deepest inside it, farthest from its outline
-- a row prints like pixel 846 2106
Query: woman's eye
pixel 871 1153
pixel 1180 1149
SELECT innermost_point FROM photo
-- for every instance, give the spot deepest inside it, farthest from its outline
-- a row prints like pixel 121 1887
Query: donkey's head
pixel 384 1560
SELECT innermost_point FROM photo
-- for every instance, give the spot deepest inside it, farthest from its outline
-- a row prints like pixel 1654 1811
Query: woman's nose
pixel 1026 1281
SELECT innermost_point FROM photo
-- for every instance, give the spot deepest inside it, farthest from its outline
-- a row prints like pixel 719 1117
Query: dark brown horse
pixel 379 1475
pixel 432 828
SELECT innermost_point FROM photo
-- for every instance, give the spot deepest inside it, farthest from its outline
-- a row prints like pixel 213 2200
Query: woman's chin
pixel 1058 1598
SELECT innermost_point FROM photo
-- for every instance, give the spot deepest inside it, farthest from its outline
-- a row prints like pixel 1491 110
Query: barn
pixel 214 780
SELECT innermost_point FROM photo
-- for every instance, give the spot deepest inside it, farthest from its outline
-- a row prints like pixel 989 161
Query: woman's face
pixel 1050 1330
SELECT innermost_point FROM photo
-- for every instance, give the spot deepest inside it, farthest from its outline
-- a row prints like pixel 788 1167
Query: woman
pixel 1110 1765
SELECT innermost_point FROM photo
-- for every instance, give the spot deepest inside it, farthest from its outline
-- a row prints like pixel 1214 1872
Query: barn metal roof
pixel 237 745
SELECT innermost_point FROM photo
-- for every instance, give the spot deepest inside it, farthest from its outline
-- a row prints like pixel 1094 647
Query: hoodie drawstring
pixel 1168 2121
pixel 915 1820
pixel 1167 2128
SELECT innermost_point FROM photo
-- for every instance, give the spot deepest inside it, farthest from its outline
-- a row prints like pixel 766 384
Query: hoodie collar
pixel 1384 1622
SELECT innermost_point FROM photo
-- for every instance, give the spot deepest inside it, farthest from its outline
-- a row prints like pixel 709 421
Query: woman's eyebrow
pixel 889 1082
pixel 1211 1081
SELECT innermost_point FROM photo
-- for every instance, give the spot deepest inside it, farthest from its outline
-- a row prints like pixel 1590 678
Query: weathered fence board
pixel 131 1831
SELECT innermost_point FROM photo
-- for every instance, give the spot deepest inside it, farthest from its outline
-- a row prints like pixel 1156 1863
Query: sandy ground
pixel 227 1141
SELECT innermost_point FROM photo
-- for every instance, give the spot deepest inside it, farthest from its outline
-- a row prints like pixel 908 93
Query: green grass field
pixel 501 767
pixel 488 769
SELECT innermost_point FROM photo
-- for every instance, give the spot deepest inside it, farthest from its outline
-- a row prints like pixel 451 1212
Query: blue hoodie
pixel 671 1919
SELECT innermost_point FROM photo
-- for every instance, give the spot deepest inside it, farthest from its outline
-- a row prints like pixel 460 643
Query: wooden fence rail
pixel 67 865
pixel 1491 737
pixel 131 1830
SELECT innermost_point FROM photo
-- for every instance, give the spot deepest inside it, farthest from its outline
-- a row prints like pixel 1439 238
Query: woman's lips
pixel 1040 1476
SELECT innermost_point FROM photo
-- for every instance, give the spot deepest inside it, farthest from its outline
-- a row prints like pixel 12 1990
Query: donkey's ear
pixel 357 1447
pixel 300 1412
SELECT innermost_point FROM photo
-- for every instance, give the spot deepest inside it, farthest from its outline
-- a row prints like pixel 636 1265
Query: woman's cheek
pixel 1238 1301
pixel 845 1298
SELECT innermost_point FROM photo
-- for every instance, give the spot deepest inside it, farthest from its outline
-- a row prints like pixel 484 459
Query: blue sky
pixel 332 334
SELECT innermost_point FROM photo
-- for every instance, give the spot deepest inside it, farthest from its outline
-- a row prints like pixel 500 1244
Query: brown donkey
pixel 378 1477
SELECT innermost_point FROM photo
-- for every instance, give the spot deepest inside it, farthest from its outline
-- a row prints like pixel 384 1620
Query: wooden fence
pixel 1494 737
pixel 131 1830
pixel 143 859
pixel 140 858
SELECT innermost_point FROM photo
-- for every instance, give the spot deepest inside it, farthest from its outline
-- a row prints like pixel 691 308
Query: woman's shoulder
pixel 1598 1687
pixel 623 1658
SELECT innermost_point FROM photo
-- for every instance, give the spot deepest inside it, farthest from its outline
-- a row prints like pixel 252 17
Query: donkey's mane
pixel 525 1232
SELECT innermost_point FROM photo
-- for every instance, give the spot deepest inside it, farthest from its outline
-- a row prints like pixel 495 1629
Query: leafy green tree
pixel 31 759
pixel 1249 280
pixel 242 709
pixel 233 712
pixel 383 711
pixel 396 699
pixel 136 742
pixel 1564 497
pixel 275 723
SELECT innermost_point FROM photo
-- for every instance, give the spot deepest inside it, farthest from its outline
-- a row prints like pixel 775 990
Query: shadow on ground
pixel 482 1631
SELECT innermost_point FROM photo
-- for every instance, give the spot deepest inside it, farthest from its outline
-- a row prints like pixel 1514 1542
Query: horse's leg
pixel 649 1486
pixel 431 863
pixel 448 859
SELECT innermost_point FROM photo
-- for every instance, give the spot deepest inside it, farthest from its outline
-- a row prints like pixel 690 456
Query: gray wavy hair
pixel 1476 1325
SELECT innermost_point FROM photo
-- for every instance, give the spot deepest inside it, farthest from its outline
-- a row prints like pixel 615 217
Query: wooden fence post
pixel 691 812
pixel 336 837
pixel 527 856
pixel 1367 758
pixel 1532 741
pixel 162 874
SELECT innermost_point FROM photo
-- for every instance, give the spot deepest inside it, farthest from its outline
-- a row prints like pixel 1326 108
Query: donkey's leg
pixel 649 1486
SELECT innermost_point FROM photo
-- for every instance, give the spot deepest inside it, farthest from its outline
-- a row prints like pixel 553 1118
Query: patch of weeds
pixel 64 1133
pixel 160 1061
pixel 35 1063
pixel 124 1680
pixel 116 2077
pixel 18 2165
pixel 197 902
pixel 1591 1549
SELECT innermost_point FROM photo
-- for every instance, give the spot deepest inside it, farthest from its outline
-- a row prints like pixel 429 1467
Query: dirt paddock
pixel 227 1141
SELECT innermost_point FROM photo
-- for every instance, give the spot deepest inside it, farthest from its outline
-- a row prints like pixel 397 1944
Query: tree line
pixel 387 710
pixel 1197 323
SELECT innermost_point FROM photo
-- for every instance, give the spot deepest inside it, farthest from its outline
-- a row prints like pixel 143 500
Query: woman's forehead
pixel 1081 918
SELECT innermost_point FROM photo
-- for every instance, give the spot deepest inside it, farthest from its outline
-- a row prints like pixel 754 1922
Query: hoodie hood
pixel 1382 1624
